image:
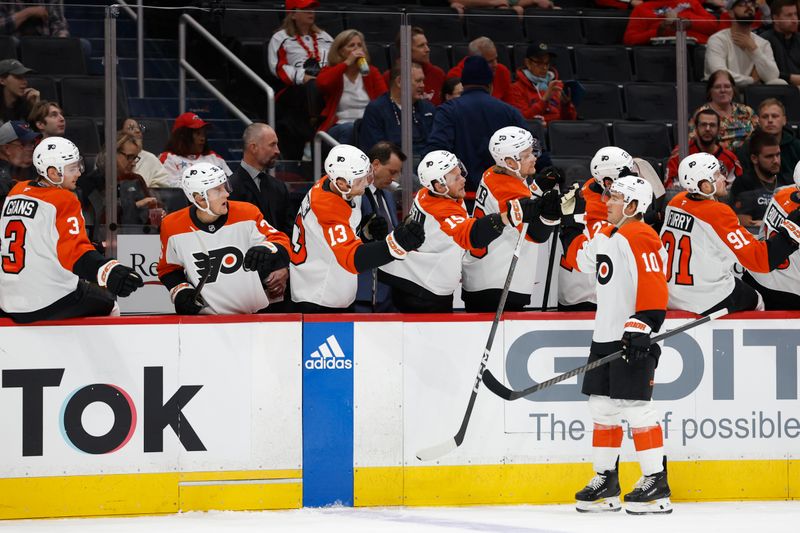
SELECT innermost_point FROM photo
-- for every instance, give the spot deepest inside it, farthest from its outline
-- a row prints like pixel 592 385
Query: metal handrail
pixel 318 138
pixel 185 67
pixel 138 17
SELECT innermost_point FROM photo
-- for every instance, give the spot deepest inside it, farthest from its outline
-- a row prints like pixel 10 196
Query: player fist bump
pixel 406 237
pixel 265 258
pixel 119 279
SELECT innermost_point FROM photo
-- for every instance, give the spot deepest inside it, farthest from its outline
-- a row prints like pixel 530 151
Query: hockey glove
pixel 572 202
pixel 406 237
pixel 550 206
pixel 522 210
pixel 635 340
pixel 265 258
pixel 792 225
pixel 119 279
pixel 549 178
pixel 186 300
pixel 376 228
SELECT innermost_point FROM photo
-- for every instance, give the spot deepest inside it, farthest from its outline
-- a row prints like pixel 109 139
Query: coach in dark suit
pixel 387 162
pixel 252 183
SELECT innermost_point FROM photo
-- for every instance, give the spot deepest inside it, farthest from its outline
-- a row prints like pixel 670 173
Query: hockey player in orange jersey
pixel 627 259
pixel 484 271
pixel 50 270
pixel 779 287
pixel 327 254
pixel 704 240
pixel 576 289
pixel 223 245
pixel 425 283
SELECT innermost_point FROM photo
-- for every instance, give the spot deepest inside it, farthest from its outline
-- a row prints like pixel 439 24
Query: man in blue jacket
pixel 464 125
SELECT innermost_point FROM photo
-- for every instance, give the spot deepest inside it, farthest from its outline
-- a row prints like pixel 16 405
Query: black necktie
pixel 383 209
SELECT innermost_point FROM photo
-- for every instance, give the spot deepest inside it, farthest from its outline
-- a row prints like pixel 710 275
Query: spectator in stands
pixel 295 55
pixel 23 19
pixel 772 120
pixel 751 193
pixel 382 117
pixel 464 125
pixel 387 162
pixel 720 9
pixel 17 142
pixel 347 84
pixel 784 41
pixel 253 182
pixel 187 145
pixel 737 121
pixel 618 4
pixel 659 18
pixel 706 139
pixel 148 166
pixel 738 50
pixel 485 47
pixel 421 53
pixel 48 119
pixel 451 88
pixel 18 99
pixel 517 5
pixel 538 93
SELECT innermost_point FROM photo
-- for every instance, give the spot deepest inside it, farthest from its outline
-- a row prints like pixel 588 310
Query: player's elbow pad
pixel 779 247
pixel 372 255
pixel 485 230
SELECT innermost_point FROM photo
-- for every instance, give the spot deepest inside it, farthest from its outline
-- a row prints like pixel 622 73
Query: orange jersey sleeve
pixel 333 215
pixel 173 224
pixel 749 251
pixel 241 211
pixel 452 218
pixel 649 257
pixel 73 241
pixel 596 209
pixel 506 188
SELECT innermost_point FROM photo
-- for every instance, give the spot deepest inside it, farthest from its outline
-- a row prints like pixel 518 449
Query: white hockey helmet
pixel 609 162
pixel 511 141
pixel 435 166
pixel 348 163
pixel 796 175
pixel 199 179
pixel 56 152
pixel 634 188
pixel 697 168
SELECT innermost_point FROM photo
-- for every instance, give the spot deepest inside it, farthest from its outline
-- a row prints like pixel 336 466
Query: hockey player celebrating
pixel 627 259
pixel 576 290
pixel 49 267
pixel 425 283
pixel 484 271
pixel 216 254
pixel 779 287
pixel 704 240
pixel 326 253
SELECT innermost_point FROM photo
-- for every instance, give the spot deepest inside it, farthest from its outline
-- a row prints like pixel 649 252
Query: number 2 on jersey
pixel 679 252
pixel 14 262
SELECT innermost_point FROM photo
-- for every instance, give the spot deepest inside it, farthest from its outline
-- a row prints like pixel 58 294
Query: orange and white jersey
pixel 487 268
pixel 786 277
pixel 704 240
pixel 436 265
pixel 628 264
pixel 42 235
pixel 192 247
pixel 324 245
pixel 574 286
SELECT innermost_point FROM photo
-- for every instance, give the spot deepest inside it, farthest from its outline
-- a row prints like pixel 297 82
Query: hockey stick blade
pixel 434 452
pixel 494 385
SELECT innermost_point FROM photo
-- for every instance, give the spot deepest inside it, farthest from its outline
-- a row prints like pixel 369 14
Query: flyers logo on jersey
pixel 605 269
pixel 222 260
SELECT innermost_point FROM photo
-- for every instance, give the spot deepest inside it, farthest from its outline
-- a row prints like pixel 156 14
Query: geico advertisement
pixel 140 252
pixel 155 398
pixel 726 389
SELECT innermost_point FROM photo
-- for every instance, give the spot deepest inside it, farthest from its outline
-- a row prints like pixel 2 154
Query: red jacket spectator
pixel 501 85
pixel 434 78
pixel 330 83
pixel 727 159
pixel 642 27
pixel 528 99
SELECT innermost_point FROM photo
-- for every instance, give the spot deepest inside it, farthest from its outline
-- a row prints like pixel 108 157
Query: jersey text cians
pixel 21 207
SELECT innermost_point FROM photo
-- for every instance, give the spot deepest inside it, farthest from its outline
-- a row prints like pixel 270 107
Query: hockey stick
pixel 434 452
pixel 374 205
pixel 550 267
pixel 504 392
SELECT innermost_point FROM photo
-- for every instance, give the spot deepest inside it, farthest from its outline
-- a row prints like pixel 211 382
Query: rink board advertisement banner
pixel 148 399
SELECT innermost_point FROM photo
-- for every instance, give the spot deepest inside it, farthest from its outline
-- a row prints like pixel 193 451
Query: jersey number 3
pixel 678 255
pixel 14 262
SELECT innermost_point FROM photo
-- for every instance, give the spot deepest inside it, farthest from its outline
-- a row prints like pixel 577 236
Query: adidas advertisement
pixel 328 355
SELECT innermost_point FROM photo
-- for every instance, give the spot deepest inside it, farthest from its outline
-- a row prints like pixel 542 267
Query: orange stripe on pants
pixel 607 436
pixel 648 438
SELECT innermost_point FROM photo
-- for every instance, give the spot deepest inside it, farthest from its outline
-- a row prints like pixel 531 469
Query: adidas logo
pixel 329 355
